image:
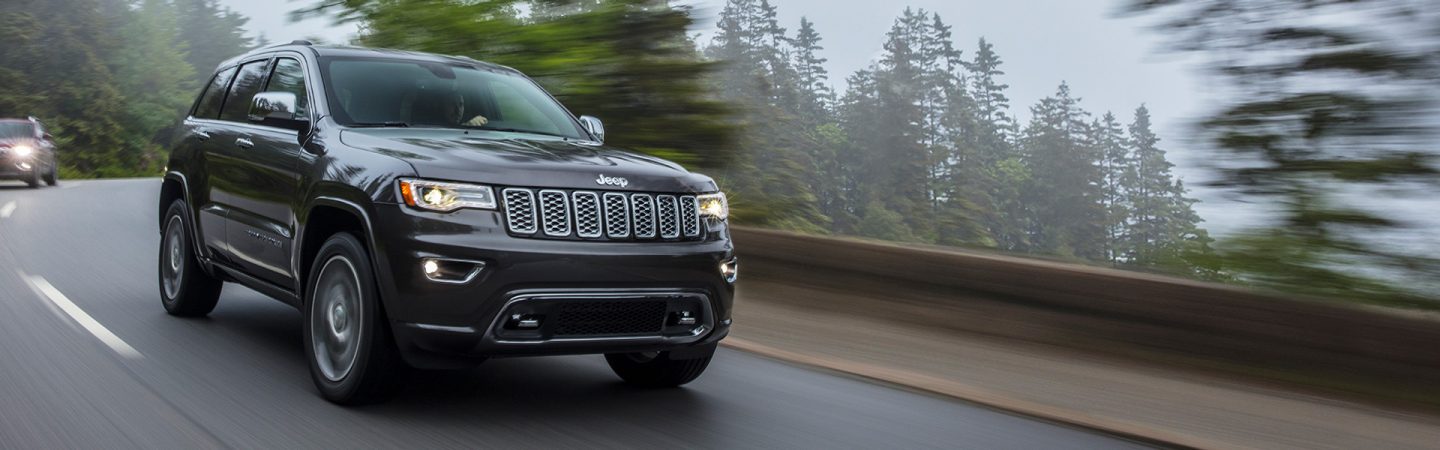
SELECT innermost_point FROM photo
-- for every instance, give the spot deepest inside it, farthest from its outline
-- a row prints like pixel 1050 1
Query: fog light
pixel 730 270
pixel 23 166
pixel 453 271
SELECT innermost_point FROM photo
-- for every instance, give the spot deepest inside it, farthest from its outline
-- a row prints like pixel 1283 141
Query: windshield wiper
pixel 380 125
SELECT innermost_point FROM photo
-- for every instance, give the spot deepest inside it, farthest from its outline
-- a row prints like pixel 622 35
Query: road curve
pixel 77 275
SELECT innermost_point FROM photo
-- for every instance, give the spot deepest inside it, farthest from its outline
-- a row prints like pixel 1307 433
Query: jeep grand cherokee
pixel 431 212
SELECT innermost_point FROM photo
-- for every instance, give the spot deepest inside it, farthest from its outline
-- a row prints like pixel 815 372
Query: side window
pixel 290 77
pixel 214 95
pixel 247 83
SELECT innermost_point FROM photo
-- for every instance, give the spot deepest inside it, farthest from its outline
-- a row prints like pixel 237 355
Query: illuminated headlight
pixel 23 150
pixel 714 205
pixel 446 197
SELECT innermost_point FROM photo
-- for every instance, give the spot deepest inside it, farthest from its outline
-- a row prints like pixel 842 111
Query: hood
pixel 13 141
pixel 518 159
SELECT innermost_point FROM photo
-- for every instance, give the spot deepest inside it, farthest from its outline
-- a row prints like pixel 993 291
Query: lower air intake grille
pixel 609 318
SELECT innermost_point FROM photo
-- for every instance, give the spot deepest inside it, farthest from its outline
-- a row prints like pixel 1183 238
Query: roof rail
pixel 303 42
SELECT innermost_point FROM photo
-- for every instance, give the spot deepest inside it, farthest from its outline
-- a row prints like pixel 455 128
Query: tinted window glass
pixel 248 83
pixel 290 77
pixel 214 95
pixel 375 91
pixel 16 130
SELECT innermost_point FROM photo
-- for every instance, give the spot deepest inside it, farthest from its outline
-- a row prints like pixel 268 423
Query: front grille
pixel 593 215
pixel 609 318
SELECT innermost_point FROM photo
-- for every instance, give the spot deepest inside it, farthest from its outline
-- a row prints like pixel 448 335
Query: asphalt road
pixel 88 358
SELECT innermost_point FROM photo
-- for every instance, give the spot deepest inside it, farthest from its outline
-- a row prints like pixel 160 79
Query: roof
pixel 363 52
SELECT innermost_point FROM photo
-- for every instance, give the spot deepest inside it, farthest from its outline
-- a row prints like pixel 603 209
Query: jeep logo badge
pixel 611 181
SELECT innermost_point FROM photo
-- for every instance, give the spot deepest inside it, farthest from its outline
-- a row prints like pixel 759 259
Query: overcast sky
pixel 1112 64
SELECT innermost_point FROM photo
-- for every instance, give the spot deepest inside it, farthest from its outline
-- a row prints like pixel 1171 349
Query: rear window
pixel 16 130
pixel 214 96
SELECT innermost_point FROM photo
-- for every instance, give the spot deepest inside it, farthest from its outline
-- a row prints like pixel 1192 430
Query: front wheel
pixel 658 369
pixel 34 180
pixel 353 359
pixel 185 289
pixel 52 177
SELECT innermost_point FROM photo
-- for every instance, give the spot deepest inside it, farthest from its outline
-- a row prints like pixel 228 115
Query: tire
pixel 53 177
pixel 34 180
pixel 353 358
pixel 658 370
pixel 185 289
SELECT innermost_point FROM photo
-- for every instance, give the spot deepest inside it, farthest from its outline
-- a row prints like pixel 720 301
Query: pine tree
pixel 151 71
pixel 775 176
pixel 994 149
pixel 1117 170
pixel 1065 192
pixel 816 96
pixel 1163 225
pixel 210 33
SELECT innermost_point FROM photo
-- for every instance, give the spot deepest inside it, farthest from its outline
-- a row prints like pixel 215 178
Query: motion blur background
pixel 1284 144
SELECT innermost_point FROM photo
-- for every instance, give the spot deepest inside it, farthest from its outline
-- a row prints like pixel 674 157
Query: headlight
pixel 714 205
pixel 23 150
pixel 446 197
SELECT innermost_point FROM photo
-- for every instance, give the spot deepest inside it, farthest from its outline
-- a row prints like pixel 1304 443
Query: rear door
pixel 197 139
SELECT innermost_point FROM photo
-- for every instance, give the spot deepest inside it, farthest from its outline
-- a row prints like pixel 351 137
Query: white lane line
pixel 7 210
pixel 45 289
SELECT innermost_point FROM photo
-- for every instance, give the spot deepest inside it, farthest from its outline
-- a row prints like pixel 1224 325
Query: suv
pixel 433 211
pixel 27 152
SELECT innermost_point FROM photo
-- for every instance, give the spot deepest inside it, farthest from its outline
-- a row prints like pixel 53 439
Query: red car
pixel 27 152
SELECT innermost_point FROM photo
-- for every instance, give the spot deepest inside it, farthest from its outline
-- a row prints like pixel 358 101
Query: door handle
pixel 244 143
pixel 202 135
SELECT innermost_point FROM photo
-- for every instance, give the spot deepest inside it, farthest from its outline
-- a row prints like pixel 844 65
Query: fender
pixel 201 252
pixel 347 205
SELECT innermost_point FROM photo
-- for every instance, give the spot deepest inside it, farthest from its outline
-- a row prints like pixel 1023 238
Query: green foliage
pixel 210 34
pixel 626 61
pixel 54 54
pixel 1322 109
pixel 107 76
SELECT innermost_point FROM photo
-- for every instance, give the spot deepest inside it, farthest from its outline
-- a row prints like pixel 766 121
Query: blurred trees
pixel 628 62
pixel 1331 106
pixel 108 76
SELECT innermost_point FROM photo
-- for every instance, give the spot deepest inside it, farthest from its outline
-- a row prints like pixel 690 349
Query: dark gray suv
pixel 431 211
pixel 27 152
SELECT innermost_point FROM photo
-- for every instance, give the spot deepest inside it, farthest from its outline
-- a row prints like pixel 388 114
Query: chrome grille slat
pixel 690 216
pixel 601 215
pixel 643 208
pixel 617 216
pixel 520 211
pixel 555 213
pixel 667 213
pixel 587 214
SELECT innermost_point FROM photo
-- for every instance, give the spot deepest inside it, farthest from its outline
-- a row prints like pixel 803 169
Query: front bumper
pixel 443 324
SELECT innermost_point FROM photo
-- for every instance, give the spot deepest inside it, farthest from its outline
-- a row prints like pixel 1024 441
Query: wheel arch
pixel 326 216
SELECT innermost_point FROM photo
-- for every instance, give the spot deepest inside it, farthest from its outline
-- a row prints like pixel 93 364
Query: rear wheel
pixel 185 289
pixel 658 369
pixel 353 358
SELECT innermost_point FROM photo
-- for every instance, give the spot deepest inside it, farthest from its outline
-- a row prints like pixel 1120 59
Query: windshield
pixel 379 92
pixel 11 130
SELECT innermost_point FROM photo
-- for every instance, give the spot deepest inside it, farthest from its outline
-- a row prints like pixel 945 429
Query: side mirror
pixel 278 109
pixel 594 126
pixel 48 136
